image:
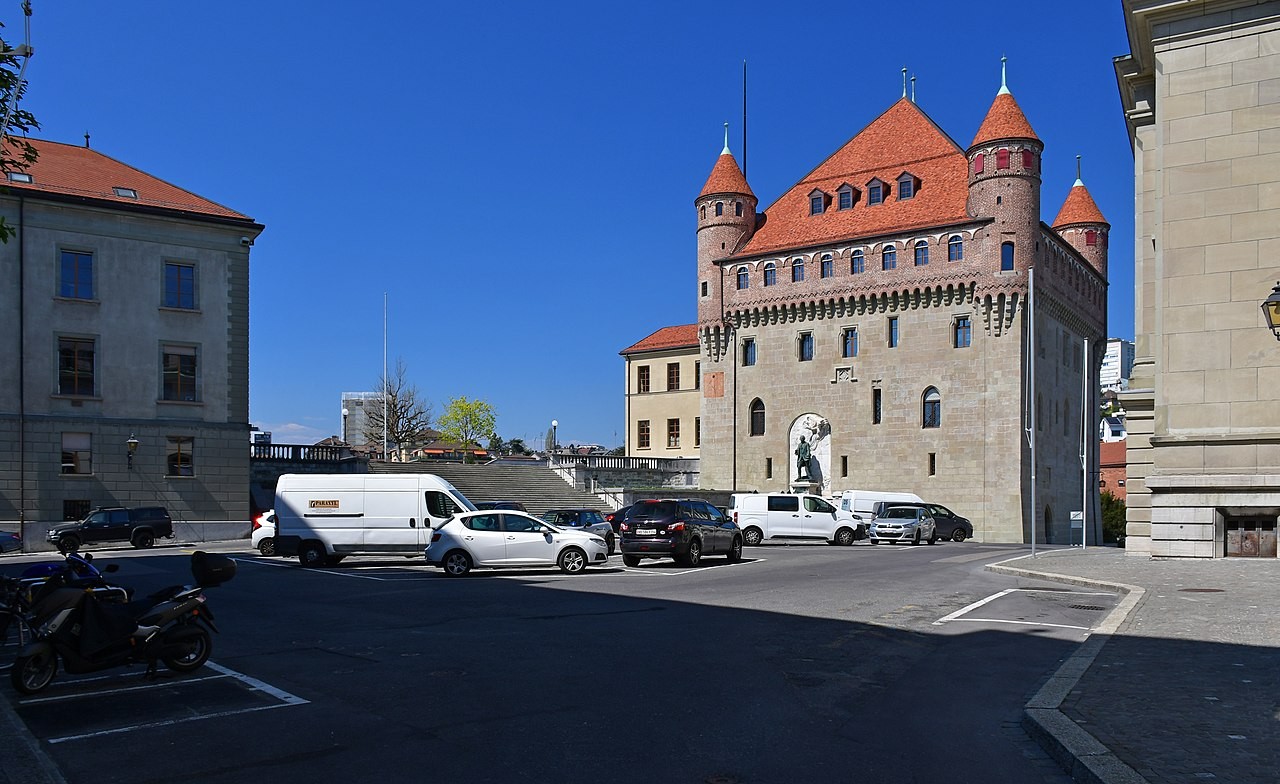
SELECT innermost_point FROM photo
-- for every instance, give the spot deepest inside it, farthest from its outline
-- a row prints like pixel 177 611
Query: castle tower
pixel 1080 223
pixel 1004 181
pixel 726 219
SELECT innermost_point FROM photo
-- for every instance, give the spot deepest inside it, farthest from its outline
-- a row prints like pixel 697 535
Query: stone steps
pixel 536 486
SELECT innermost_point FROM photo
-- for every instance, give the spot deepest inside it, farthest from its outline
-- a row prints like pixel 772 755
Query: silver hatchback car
pixel 904 524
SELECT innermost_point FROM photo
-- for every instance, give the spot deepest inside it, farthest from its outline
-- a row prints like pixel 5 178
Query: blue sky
pixel 519 178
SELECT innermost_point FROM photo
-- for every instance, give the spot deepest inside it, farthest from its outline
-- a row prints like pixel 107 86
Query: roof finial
pixel 904 81
pixel 1079 181
pixel 1004 85
pixel 913 88
pixel 86 139
pixel 725 151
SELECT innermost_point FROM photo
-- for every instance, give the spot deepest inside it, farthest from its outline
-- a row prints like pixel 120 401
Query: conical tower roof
pixel 1004 120
pixel 726 177
pixel 1079 208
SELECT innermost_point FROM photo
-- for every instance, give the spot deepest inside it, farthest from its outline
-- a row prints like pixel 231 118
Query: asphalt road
pixel 805 663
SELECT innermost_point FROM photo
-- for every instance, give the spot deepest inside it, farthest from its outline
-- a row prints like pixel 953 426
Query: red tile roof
pixel 901 140
pixel 1004 120
pixel 1079 208
pixel 1112 453
pixel 683 336
pixel 72 170
pixel 726 177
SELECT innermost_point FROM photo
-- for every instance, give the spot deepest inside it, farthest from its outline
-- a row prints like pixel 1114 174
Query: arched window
pixel 1006 256
pixel 931 413
pixel 857 263
pixel 889 258
pixel 955 248
pixel 978 162
pixel 757 417
pixel 719 208
pixel 702 212
pixel 770 274
pixel 922 253
pixel 828 265
pixel 797 270
pixel 737 208
pixel 743 281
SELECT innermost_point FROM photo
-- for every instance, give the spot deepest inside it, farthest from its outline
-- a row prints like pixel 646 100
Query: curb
pixel 1078 752
pixel 24 761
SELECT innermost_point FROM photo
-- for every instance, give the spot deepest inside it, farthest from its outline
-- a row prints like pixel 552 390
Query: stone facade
pixel 1201 89
pixel 138 282
pixel 933 399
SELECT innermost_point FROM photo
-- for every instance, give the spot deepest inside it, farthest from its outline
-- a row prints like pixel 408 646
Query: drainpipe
pixel 22 374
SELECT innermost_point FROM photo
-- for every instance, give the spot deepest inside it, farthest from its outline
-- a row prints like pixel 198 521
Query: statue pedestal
pixel 805 486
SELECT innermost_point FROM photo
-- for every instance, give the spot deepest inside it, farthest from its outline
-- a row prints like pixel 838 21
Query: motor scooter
pixel 89 630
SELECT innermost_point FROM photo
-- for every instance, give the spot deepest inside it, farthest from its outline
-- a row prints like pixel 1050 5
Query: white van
pixel 322 518
pixel 866 504
pixel 764 516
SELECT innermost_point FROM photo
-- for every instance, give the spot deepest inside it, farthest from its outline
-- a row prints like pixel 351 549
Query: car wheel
pixel 143 539
pixel 735 550
pixel 752 536
pixel 933 537
pixel 267 546
pixel 631 560
pixel 612 542
pixel 33 673
pixel 693 557
pixel 844 537
pixel 68 544
pixel 572 560
pixel 312 554
pixel 456 563
pixel 957 535
pixel 916 540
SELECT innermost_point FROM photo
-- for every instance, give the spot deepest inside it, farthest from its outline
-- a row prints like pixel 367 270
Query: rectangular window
pixel 180 461
pixel 77 453
pixel 180 373
pixel 642 379
pixel 849 343
pixel 889 258
pixel 1002 159
pixel 806 346
pixel 768 468
pixel 858 264
pixel 875 194
pixel 844 465
pixel 704 288
pixel 697 375
pixel 978 161
pixel 828 267
pixel 1028 160
pixel 76 366
pixel 877 407
pixel 816 203
pixel 673 376
pixel 933 464
pixel 673 433
pixel 963 332
pixel 179 285
pixel 642 434
pixel 75 279
pixel 75 509
pixel 906 188
pixel 748 352
pixel 846 200
pixel 893 332
pixel 697 431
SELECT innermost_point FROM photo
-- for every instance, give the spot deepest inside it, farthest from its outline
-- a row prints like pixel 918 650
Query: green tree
pixel 408 414
pixel 517 447
pixel 1113 518
pixel 465 421
pixel 16 154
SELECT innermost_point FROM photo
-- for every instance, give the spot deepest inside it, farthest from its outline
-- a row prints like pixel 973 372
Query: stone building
pixel 124 311
pixel 1201 92
pixel 879 307
pixel 663 375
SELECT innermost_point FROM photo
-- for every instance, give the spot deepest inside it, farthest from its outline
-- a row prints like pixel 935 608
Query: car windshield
pixel 900 512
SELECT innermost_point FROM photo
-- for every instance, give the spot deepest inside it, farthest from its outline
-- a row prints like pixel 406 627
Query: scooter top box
pixel 211 569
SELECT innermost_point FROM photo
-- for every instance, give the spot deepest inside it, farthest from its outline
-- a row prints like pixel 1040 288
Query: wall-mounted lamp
pixel 1271 309
pixel 132 446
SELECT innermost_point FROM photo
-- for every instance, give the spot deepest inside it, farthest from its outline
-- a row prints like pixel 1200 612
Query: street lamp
pixel 1271 309
pixel 345 412
pixel 554 425
pixel 132 446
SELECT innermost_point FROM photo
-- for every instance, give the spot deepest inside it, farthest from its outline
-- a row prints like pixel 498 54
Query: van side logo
pixel 323 504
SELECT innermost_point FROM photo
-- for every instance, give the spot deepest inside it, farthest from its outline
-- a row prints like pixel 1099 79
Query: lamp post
pixel 345 412
pixel 1271 309
pixel 131 446
pixel 554 443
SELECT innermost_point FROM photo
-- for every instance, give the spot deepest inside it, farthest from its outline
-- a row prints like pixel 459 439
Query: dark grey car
pixel 684 530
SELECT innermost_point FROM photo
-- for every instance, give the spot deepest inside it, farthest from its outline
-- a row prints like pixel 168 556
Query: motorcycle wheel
pixel 199 646
pixel 31 674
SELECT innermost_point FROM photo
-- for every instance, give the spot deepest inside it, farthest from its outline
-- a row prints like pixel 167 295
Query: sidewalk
pixel 1181 683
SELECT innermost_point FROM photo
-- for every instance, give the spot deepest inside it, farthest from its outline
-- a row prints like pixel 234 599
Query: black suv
pixel 684 530
pixel 139 527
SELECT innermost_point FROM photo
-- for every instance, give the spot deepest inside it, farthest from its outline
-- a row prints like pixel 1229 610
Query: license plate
pixel 645 531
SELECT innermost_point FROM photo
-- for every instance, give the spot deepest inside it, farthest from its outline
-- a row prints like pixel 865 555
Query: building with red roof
pixel 663 391
pixel 125 300
pixel 880 308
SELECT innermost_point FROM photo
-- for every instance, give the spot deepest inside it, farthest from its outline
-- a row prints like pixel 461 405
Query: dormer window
pixel 125 193
pixel 845 197
pixel 907 186
pixel 877 191
pixel 20 177
pixel 818 202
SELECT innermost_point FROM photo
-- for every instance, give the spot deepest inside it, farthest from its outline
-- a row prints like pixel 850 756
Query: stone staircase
pixel 536 486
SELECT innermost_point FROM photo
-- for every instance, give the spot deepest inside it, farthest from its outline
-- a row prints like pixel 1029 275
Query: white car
pixel 264 533
pixel 510 538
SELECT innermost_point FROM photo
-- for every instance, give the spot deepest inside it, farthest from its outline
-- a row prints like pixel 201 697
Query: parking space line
pixel 413 575
pixel 167 723
pixel 690 569
pixel 973 606
pixel 1016 623
pixel 120 690
pixel 254 683
pixel 955 616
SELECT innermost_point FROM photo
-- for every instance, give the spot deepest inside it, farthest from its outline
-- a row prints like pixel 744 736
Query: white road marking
pixel 254 683
pixel 973 606
pixel 1018 623
pixel 120 690
pixel 955 616
pixel 169 723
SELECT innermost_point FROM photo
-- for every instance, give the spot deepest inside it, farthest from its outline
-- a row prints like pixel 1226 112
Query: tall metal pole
pixel 1031 396
pixel 1084 449
pixel 384 375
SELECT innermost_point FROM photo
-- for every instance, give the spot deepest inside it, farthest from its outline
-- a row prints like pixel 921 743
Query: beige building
pixel 1201 90
pixel 663 393
pixel 124 306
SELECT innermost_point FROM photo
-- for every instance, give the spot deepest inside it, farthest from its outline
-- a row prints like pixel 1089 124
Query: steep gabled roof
pixel 683 336
pixel 726 177
pixel 902 138
pixel 1004 120
pixel 1079 208
pixel 77 171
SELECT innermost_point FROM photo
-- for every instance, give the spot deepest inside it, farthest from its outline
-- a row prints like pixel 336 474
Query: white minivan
pixel 323 518
pixel 764 516
pixel 866 504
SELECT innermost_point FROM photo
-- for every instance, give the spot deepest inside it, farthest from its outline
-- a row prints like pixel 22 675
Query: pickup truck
pixel 139 527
